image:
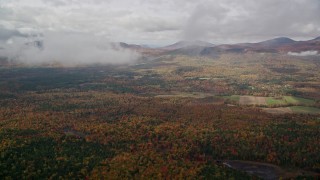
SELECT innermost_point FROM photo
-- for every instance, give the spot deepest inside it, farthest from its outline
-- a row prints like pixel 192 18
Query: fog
pixel 67 49
pixel 303 53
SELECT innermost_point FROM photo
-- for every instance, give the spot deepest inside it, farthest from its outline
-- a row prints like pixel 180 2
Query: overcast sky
pixel 162 22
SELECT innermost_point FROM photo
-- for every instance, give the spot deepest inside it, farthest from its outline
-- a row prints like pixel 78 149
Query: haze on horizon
pixel 151 22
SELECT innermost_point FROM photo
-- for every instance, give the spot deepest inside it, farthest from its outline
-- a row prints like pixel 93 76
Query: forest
pixel 174 117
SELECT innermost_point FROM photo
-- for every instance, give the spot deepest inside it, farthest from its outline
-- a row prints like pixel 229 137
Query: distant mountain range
pixel 277 45
pixel 282 45
pixel 202 48
pixel 196 48
pixel 187 44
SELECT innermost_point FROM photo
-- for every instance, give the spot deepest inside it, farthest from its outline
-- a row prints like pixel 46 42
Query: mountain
pixel 129 46
pixel 300 46
pixel 272 43
pixel 316 39
pixel 276 45
pixel 194 51
pixel 184 44
pixel 138 48
pixel 202 48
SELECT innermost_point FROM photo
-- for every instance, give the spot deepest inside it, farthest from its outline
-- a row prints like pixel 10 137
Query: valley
pixel 165 116
pixel 186 90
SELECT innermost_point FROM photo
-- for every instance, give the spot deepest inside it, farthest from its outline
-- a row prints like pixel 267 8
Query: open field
pixel 234 98
pixel 296 100
pixel 290 100
pixel 271 101
pixel 303 109
pixel 276 101
pixel 279 105
pixel 185 95
pixel 252 100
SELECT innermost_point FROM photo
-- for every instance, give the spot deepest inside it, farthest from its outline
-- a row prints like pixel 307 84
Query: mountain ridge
pixel 184 44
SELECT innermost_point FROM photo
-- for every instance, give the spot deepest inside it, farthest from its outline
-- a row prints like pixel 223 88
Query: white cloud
pixel 303 53
pixel 67 49
pixel 160 21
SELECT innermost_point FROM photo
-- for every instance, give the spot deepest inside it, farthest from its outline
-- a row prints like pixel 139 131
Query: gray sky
pixel 163 21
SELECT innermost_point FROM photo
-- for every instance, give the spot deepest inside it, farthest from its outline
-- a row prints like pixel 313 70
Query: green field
pixel 303 109
pixel 274 101
pixel 287 100
pixel 233 97
pixel 296 100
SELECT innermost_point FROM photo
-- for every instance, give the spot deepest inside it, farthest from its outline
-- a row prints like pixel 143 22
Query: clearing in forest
pixel 252 100
pixel 305 109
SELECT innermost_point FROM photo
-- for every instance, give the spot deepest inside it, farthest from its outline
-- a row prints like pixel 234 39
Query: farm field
pixel 296 100
pixel 279 105
pixel 270 101
pixel 303 109
pixel 252 100
pixel 276 101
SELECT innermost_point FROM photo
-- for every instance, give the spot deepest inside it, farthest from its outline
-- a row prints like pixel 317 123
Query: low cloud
pixel 68 49
pixel 6 34
pixel 303 53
